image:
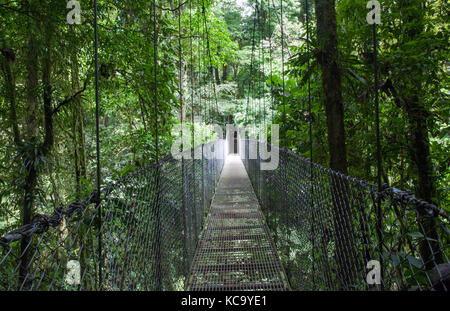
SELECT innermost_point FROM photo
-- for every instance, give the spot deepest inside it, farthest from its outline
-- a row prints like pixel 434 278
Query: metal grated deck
pixel 236 251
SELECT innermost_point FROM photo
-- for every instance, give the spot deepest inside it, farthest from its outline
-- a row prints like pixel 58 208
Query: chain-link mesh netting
pixel 142 236
pixel 328 227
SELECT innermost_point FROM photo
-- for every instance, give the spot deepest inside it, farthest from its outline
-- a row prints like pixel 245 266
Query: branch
pixel 20 11
pixel 71 98
pixel 5 64
pixel 389 89
pixel 174 9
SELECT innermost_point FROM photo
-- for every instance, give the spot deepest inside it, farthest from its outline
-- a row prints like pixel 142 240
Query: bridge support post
pixel 204 203
pixel 183 215
pixel 194 205
pixel 158 252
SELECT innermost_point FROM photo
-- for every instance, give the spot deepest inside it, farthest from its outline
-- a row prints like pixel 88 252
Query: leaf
pixel 445 228
pixel 414 261
pixel 395 260
pixel 356 76
pixel 416 235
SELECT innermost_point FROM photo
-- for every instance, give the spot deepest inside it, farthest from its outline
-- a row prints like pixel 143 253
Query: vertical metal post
pixel 310 150
pixel 97 126
pixel 192 207
pixel 183 214
pixel 158 253
pixel 183 199
pixel 379 163
pixel 194 195
pixel 204 202
pixel 285 146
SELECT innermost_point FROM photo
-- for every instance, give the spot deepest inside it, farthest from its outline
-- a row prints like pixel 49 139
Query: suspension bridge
pixel 225 224
pixel 222 223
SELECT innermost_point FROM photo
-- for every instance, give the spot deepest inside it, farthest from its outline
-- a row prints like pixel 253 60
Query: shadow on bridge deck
pixel 236 251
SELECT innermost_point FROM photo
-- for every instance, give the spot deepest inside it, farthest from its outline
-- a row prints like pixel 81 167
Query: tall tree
pixel 327 56
pixel 409 85
pixel 78 136
pixel 33 148
pixel 332 93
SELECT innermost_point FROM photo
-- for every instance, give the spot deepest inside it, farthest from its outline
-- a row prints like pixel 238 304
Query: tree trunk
pixel 29 155
pixel 331 84
pixel 417 114
pixel 420 154
pixel 32 89
pixel 82 141
pixel 225 73
pixel 183 105
pixel 78 129
pixel 7 63
pixel 235 71
pixel 76 157
pixel 80 166
pixel 46 76
pixel 216 71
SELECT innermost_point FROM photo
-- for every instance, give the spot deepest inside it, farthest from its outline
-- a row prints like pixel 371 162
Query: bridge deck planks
pixel 236 251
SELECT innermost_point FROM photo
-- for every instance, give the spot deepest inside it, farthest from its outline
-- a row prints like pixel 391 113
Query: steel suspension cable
pixel 253 99
pixel 308 55
pixel 310 117
pixel 378 142
pixel 180 71
pixel 157 173
pixel 285 190
pixel 270 61
pixel 155 82
pixel 283 75
pixel 209 55
pixel 191 62
pixel 206 112
pixel 250 82
pixel 207 109
pixel 97 140
pixel 192 119
pixel 263 31
pixel 183 181
pixel 259 65
pixel 209 68
pixel 377 110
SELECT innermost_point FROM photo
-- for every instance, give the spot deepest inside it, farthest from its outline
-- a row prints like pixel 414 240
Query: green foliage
pixel 127 92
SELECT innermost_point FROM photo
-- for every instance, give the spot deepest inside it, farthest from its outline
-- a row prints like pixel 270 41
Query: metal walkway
pixel 236 251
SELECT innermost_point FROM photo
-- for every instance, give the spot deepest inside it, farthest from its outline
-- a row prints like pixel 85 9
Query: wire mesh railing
pixel 141 236
pixel 335 232
pixel 326 226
